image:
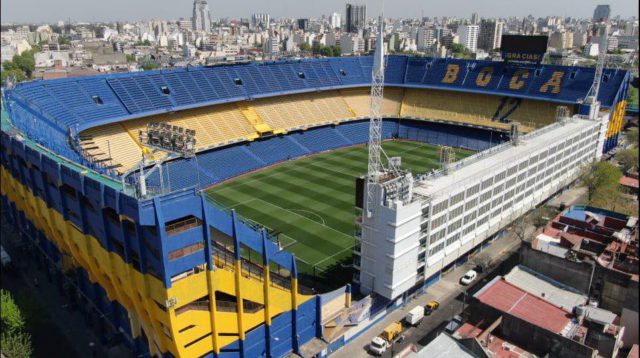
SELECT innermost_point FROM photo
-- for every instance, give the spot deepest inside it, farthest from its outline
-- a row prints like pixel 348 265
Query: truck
pixel 381 343
pixel 415 316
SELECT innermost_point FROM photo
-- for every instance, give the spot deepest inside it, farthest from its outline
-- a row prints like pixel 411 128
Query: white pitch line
pixel 306 218
pixel 309 212
pixel 337 253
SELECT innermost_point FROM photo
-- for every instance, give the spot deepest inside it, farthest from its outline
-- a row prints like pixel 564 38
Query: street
pixel 448 291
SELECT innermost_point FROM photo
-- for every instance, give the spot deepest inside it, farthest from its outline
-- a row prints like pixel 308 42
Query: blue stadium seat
pixel 321 139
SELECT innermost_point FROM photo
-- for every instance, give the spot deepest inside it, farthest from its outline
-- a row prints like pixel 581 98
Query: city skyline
pixel 22 12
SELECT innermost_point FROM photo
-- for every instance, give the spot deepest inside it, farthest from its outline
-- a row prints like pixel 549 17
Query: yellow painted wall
pixel 144 295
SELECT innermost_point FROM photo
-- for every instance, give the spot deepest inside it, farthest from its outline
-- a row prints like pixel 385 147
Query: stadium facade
pixel 176 274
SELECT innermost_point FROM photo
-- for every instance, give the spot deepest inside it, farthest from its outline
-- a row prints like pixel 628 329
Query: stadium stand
pixel 359 101
pixel 302 110
pixel 289 95
pixel 146 261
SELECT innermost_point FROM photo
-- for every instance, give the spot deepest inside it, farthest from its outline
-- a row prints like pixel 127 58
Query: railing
pixel 225 259
pixel 184 225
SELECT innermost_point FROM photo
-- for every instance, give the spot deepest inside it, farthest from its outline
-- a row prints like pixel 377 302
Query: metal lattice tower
pixel 374 167
pixel 602 54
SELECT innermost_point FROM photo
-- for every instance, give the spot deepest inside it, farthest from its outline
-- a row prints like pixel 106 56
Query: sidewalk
pixel 57 330
pixel 443 291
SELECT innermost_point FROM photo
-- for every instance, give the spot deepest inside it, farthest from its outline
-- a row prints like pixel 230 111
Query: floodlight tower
pixel 597 78
pixel 374 169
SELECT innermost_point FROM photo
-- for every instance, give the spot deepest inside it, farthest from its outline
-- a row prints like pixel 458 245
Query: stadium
pixel 235 241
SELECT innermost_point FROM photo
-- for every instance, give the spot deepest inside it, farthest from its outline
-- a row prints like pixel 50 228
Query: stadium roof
pixel 545 288
pixel 81 103
pixel 510 299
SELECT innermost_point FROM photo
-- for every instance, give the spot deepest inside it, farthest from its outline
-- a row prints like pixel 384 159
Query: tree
pixel 632 137
pixel 10 316
pixel 457 48
pixel 130 58
pixel 15 341
pixel 305 47
pixel 599 179
pixel 14 75
pixel 337 51
pixel 628 158
pixel 63 40
pixel 25 62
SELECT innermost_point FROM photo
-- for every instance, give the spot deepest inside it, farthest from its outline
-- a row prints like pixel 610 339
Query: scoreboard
pixel 520 48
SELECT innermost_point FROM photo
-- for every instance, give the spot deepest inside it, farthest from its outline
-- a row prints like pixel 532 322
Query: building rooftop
pixel 630 182
pixel 510 299
pixel 489 161
pixel 496 346
pixel 443 346
pixel 546 288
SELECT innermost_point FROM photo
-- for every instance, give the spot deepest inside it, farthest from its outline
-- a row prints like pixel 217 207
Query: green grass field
pixel 311 201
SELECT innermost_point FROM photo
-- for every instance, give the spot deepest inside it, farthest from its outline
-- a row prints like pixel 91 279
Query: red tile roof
pixel 630 182
pixel 505 297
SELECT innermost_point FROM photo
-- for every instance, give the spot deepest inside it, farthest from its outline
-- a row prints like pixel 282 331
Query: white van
pixel 415 316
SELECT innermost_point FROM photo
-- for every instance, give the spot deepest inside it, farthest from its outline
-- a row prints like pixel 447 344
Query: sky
pixel 48 11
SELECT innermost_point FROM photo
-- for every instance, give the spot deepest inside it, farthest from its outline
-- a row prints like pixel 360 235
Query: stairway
pixel 254 119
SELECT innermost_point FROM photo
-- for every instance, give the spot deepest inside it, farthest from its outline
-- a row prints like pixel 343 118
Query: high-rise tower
pixel 201 16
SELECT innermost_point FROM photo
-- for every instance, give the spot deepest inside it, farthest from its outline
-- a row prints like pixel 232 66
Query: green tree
pixel 305 47
pixel 131 58
pixel 148 64
pixel 326 51
pixel 143 43
pixel 601 179
pixel 11 319
pixel 457 48
pixel 63 40
pixel 16 343
pixel 337 51
pixel 632 137
pixel 26 62
pixel 628 158
pixel 15 75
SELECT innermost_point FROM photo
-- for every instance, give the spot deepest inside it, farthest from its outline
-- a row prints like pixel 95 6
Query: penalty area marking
pixel 308 212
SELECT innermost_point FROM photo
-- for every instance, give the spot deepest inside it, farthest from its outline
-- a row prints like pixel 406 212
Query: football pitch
pixel 310 202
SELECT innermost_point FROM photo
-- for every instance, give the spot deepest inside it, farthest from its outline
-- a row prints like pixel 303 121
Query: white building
pixel 261 21
pixel 271 46
pixel 351 44
pixel 469 36
pixel 425 38
pixel 201 16
pixel 417 230
pixel 591 49
pixel 335 21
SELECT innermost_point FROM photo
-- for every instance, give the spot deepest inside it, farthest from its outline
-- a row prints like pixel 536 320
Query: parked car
pixel 468 277
pixel 453 325
pixel 433 305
